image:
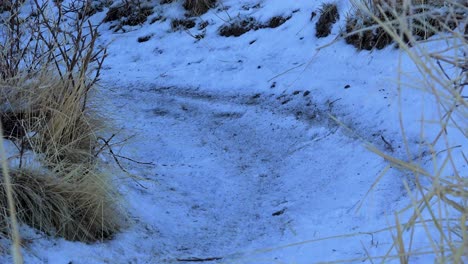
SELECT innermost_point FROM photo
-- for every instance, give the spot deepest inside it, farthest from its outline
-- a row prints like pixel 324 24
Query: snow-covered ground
pixel 248 165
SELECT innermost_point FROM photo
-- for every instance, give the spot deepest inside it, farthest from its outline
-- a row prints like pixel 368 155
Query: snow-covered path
pixel 235 173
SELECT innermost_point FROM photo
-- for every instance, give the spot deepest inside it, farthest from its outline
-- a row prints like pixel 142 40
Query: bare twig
pixel 387 144
pixel 115 157
pixel 199 259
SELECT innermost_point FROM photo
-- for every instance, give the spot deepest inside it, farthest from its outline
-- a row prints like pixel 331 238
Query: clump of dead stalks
pixel 433 35
pixel 49 66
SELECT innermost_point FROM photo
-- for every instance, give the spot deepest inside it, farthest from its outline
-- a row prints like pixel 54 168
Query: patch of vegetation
pixel 367 39
pixel 328 17
pixel 198 7
pixel 57 182
pixel 157 18
pixel 363 32
pixel 276 21
pixel 239 28
pixel 203 25
pixel 92 7
pixel 144 38
pixel 130 13
pixel 245 25
pixel 182 24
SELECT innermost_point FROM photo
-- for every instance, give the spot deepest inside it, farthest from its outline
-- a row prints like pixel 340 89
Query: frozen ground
pixel 248 166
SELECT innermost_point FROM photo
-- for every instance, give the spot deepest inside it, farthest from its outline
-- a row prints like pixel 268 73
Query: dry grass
pixel 44 105
pixel 8 210
pixel 328 16
pixel 423 19
pixel 75 204
pixel 439 199
pixel 69 196
pixel 198 7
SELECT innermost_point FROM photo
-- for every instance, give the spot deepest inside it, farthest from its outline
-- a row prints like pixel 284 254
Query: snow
pixel 249 166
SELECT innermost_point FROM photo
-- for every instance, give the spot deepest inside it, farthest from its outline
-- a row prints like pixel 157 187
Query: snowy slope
pixel 249 167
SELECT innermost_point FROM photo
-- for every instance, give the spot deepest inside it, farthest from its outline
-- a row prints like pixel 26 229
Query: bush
pixel 48 72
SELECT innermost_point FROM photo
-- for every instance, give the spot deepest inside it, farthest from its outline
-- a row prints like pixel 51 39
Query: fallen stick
pixel 199 259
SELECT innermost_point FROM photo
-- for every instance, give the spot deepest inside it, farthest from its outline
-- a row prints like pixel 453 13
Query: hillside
pixel 251 139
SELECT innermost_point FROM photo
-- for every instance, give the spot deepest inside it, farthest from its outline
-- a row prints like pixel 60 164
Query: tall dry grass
pixel 48 72
pixel 11 216
pixel 437 188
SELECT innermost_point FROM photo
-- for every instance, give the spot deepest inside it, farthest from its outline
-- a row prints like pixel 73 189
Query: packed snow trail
pixel 236 173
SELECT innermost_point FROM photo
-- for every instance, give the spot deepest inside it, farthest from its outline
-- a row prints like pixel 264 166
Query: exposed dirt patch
pixel 328 16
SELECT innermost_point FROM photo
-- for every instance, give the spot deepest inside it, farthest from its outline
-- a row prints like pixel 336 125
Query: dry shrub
pixel 437 187
pixel 130 13
pixel 240 26
pixel 198 7
pixel 328 16
pixel 8 211
pixel 44 104
pixel 424 19
pixel 362 33
pixel 68 202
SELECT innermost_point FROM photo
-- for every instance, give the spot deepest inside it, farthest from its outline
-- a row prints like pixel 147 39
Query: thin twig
pixel 283 73
pixel 389 146
pixel 135 161
pixel 114 156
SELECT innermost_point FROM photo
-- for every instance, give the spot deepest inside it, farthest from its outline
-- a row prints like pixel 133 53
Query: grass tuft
pixel 328 16
pixel 65 202
pixel 58 183
pixel 198 7
pixel 421 19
